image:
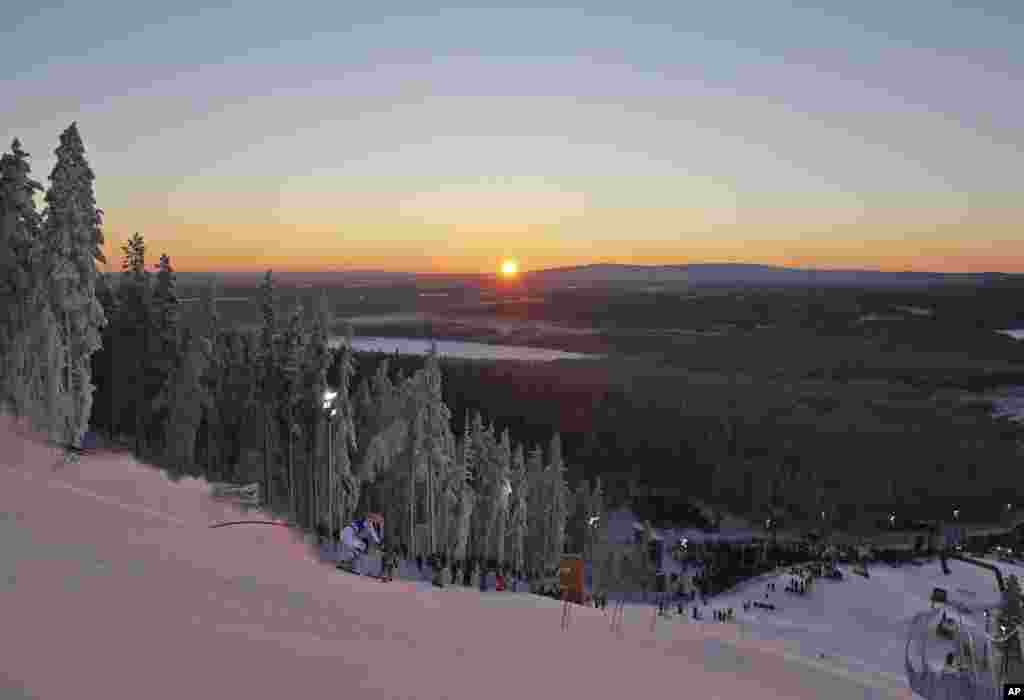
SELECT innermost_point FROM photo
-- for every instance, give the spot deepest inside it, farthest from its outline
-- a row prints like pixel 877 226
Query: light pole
pixel 592 523
pixel 331 411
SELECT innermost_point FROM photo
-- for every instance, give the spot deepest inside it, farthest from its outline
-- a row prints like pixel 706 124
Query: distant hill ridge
pixel 610 274
pixel 748 274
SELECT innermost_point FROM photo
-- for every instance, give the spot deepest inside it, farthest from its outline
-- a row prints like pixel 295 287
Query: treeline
pixel 201 399
pixel 756 446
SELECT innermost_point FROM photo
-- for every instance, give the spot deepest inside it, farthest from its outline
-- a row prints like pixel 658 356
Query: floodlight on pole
pixel 329 397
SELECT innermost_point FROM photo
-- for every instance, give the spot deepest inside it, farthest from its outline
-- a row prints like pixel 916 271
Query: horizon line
pixel 438 273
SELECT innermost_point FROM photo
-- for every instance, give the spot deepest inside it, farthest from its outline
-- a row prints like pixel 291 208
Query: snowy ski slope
pixel 112 585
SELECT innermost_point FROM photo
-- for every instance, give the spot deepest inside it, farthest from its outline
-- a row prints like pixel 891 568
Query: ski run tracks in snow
pixel 113 585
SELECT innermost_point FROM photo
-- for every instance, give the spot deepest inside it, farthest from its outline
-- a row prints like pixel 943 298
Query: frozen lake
pixel 461 349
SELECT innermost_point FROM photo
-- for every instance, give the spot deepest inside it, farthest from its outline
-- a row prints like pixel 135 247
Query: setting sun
pixel 509 268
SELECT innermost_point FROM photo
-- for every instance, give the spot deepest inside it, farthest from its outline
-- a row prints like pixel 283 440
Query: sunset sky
pixel 392 135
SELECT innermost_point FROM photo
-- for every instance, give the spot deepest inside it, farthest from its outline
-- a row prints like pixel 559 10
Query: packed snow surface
pixel 112 585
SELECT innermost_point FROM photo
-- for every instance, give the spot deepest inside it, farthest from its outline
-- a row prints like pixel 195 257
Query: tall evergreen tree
pixel 346 488
pixel 559 495
pixel 73 239
pixel 503 493
pixel 291 352
pixel 518 512
pixel 437 446
pixel 213 378
pixel 317 362
pixel 131 349
pixel 538 514
pixel 268 375
pixel 21 289
pixel 187 397
pixel 165 344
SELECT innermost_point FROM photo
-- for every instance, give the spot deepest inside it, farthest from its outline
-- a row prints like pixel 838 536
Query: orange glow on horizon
pixel 933 255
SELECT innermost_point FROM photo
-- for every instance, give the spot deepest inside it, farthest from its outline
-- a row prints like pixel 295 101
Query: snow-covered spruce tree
pixel 239 369
pixel 517 514
pixel 384 460
pixel 490 491
pixel 503 484
pixel 130 349
pixel 213 378
pixel 186 398
pixel 479 462
pixel 73 240
pixel 21 290
pixel 347 485
pixel 447 499
pixel 268 377
pixel 415 467
pixel 291 352
pixel 164 346
pixel 538 510
pixel 385 397
pixel 465 495
pixel 436 447
pixel 364 414
pixel 559 501
pixel 454 480
pixel 316 363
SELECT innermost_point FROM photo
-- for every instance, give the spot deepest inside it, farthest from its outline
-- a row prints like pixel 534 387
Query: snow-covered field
pixel 861 624
pixel 112 585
